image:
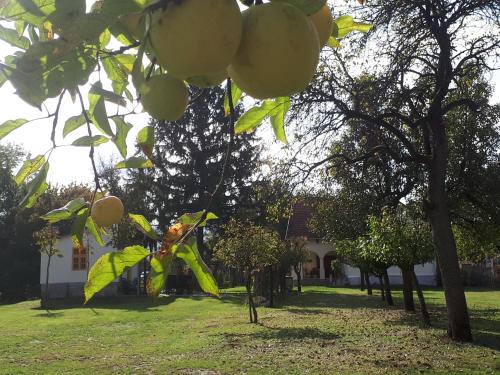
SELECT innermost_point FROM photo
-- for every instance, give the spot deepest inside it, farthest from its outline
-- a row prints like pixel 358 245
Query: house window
pixel 79 258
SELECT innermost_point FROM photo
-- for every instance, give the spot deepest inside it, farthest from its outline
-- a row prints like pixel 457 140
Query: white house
pixel 318 267
pixel 68 273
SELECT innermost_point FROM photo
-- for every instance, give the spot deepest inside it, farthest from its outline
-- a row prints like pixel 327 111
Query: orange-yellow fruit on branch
pixel 207 81
pixel 107 211
pixel 165 97
pixel 196 37
pixel 323 22
pixel 172 235
pixel 279 51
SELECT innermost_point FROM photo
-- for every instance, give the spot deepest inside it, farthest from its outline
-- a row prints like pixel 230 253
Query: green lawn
pixel 323 331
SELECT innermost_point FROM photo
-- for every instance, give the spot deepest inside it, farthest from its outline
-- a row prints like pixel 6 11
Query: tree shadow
pixel 329 299
pixel 485 324
pixel 50 314
pixel 283 334
pixel 305 311
pixel 134 303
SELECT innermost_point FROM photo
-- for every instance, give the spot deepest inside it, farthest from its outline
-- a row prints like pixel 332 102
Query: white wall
pixel 426 273
pixel 320 248
pixel 61 269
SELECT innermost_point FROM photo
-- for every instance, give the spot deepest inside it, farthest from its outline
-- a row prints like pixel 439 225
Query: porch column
pixel 322 267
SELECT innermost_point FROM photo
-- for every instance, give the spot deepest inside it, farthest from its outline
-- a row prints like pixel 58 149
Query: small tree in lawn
pixel 250 248
pixel 297 255
pixel 405 240
pixel 349 251
pixel 46 240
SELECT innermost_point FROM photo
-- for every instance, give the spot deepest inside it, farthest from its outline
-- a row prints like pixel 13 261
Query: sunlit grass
pixel 324 330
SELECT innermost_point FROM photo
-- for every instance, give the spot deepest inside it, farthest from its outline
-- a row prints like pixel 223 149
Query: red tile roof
pixel 298 221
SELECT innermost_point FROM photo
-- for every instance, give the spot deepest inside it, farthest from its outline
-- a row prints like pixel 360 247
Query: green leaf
pixel 5 73
pixel 104 38
pixel 122 129
pixel 116 73
pixel 110 266
pixel 82 27
pixel 138 78
pixel 109 96
pixel 254 117
pixel 78 227
pixel 87 141
pixel 20 27
pixel 67 212
pixel 12 37
pixel 36 187
pixel 31 11
pixel 29 167
pixel 46 68
pixel 97 110
pixel 278 118
pixel 346 24
pixel 193 218
pixel 307 6
pixel 189 253
pixel 10 125
pixel 333 42
pixel 160 268
pixel 119 7
pixel 135 162
pixel 126 61
pixel 146 140
pixel 143 225
pixel 72 124
pixel 94 230
pixel 235 94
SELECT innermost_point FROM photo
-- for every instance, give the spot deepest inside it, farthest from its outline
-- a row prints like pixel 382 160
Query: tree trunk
pixel 423 307
pixel 145 283
pixel 382 293
pixel 387 284
pixel 271 286
pixel 299 278
pixel 409 304
pixel 444 241
pixel 248 285
pixel 283 284
pixel 368 284
pixel 45 302
pixel 254 310
pixel 362 286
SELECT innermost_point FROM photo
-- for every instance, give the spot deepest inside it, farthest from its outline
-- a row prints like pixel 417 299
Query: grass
pixel 323 331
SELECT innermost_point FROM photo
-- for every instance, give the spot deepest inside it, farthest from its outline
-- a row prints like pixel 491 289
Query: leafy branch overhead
pixel 112 265
pixel 123 54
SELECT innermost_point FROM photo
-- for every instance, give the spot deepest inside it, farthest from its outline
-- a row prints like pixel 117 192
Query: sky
pixel 72 164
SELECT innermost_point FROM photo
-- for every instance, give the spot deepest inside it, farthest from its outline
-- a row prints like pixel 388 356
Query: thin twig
pixel 227 158
pixel 196 97
pixel 122 49
pixel 151 68
pixel 91 153
pixel 56 119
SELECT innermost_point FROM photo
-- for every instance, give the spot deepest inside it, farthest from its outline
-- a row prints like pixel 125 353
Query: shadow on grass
pixel 283 335
pixel 132 303
pixel 50 314
pixel 485 324
pixel 332 299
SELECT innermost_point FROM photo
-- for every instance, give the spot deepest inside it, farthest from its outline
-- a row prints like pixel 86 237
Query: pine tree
pixel 189 158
